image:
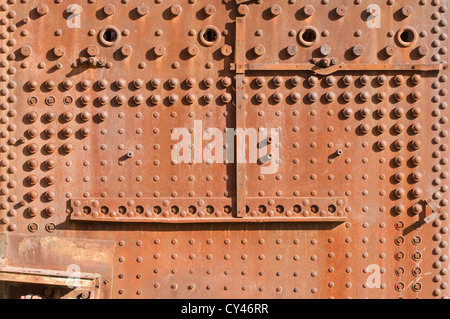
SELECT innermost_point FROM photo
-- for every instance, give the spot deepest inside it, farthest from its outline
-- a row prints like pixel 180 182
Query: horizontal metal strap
pixel 199 220
pixel 48 277
pixel 341 67
pixel 209 210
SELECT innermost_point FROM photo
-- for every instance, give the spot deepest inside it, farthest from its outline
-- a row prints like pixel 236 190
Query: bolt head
pixel 176 9
pixel 126 50
pixel 341 10
pixel 325 50
pixel 109 9
pixel 142 9
pixel 358 50
pixel 42 9
pixel 308 10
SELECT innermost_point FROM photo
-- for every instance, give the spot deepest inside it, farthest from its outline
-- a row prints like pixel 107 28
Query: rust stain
pixel 83 252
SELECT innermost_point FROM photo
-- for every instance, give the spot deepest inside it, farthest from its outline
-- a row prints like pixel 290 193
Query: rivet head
pixel 109 9
pixel 155 83
pixel 25 51
pixel 226 50
pixel 67 84
pixel 59 51
pixel 325 50
pixel 330 80
pixel 423 50
pixel 348 79
pixel 142 9
pixel 407 11
pixel 210 9
pixel 259 50
pixel 341 10
pixel 42 9
pixel 226 82
pixel 358 50
pixel 160 50
pixel 308 10
pixel 390 50
pixel 416 78
pixel 292 50
pixel 49 195
pixel 193 50
pixel 126 50
pixel 176 9
pixel 399 209
pixel 50 211
pixel 275 10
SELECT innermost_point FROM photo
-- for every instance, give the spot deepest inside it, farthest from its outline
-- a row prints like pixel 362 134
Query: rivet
pixel 109 9
pixel 275 10
pixel 142 9
pixel 325 50
pixel 341 10
pixel 42 9
pixel 126 50
pixel 176 9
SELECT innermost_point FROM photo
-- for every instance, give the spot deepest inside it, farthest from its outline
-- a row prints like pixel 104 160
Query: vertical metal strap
pixel 240 117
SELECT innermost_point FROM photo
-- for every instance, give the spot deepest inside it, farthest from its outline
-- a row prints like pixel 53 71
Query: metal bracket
pixel 434 208
pixel 47 277
pixel 325 62
pixel 93 62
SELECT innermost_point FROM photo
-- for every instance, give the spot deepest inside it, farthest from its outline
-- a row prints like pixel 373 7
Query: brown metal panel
pixel 114 116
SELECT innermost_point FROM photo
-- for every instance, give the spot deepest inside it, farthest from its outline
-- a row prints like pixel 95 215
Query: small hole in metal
pixel 110 35
pixel 407 36
pixel 279 209
pixel 210 35
pixel 297 209
pixel 262 209
pixel 309 35
pixel 314 209
pixel 139 210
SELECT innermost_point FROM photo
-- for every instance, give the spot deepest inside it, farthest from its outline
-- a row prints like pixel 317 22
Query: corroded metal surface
pixel 347 194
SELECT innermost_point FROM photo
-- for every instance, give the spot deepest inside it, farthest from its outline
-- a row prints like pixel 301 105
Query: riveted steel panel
pixel 225 149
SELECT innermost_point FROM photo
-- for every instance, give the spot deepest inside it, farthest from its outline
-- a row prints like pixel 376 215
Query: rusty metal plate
pixel 52 261
pixel 251 149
